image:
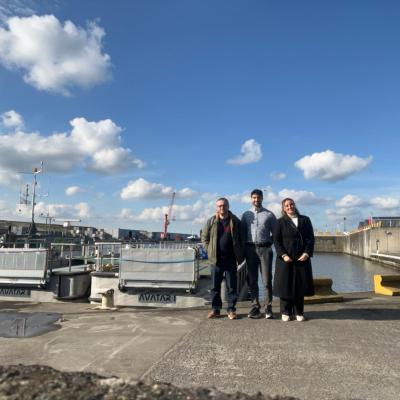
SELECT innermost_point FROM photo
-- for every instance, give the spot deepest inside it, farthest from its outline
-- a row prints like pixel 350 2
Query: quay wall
pixel 373 240
pixel 329 243
pixel 362 243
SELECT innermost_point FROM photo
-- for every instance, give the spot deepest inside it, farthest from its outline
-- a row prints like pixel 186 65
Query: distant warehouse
pixel 382 222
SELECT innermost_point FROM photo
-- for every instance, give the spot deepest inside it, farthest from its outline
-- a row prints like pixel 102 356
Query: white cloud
pixel 329 166
pixel 94 136
pixel 351 209
pixel 385 203
pixel 102 140
pixel 10 178
pixel 243 197
pixel 301 196
pixel 83 210
pixel 278 176
pixel 351 205
pixel 270 196
pixel 21 151
pixel 142 189
pixel 349 217
pixel 272 200
pixel 5 209
pixel 61 211
pixel 196 213
pixel 250 153
pixel 349 201
pixel 186 193
pixel 95 145
pixel 11 119
pixel 53 56
pixel 10 8
pixel 110 161
pixel 73 190
pixel 275 207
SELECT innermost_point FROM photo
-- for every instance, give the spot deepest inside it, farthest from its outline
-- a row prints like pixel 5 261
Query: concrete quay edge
pixel 346 350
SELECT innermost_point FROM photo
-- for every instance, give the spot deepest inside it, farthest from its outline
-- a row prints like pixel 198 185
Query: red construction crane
pixel 168 218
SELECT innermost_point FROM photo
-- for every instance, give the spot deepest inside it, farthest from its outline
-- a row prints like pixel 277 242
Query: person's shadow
pixel 365 314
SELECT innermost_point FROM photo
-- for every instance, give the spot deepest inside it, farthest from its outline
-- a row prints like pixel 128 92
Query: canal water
pixel 349 273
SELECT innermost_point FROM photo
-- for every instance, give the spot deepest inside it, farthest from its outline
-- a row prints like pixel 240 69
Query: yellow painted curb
pixel 389 285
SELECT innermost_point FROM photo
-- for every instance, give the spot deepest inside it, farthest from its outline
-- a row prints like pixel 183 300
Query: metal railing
pixel 160 245
pixel 159 268
pixel 23 266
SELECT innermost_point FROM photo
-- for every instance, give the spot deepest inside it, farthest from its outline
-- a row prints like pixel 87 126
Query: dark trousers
pixel 292 306
pixel 295 304
pixel 217 275
pixel 259 259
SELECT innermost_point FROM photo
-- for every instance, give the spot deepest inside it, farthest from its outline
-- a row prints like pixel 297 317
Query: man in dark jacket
pixel 222 238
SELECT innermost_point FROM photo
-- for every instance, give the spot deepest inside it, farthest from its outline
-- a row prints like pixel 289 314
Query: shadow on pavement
pixel 366 314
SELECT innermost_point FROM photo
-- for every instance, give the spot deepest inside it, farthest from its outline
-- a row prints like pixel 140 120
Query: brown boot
pixel 232 315
pixel 213 314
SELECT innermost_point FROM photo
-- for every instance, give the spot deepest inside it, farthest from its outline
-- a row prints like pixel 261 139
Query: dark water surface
pixel 349 273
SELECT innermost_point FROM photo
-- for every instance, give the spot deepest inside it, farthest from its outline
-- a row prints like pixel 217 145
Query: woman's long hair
pixel 283 202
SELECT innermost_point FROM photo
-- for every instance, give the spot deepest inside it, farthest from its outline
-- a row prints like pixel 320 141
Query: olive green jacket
pixel 209 238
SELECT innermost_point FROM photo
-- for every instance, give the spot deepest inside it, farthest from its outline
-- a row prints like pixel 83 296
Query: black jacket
pixel 209 236
pixel 295 278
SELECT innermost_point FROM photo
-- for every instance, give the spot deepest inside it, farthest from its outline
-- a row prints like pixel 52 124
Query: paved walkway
pixel 347 350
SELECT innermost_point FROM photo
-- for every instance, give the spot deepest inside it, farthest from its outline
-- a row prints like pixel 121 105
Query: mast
pixel 32 227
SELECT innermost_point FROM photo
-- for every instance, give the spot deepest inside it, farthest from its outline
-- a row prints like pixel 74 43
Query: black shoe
pixel 268 313
pixel 255 313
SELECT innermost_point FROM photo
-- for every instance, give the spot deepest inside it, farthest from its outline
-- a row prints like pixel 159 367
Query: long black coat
pixel 293 279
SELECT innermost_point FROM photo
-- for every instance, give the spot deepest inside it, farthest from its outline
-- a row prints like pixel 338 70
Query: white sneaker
pixel 285 318
pixel 300 318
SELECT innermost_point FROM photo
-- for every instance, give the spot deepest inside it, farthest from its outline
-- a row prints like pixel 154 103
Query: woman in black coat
pixel 294 245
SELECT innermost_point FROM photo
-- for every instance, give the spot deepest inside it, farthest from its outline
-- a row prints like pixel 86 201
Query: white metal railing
pixel 23 266
pixel 160 245
pixel 159 268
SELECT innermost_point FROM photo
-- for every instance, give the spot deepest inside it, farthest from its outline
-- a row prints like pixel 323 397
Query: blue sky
pixel 128 101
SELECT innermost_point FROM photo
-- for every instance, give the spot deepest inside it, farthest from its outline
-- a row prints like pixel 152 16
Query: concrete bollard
pixel 323 292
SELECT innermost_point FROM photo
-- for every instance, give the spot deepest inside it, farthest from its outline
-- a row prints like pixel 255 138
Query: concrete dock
pixel 346 350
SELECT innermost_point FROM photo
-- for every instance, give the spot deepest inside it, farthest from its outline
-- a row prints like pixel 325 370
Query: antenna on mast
pixel 25 198
pixel 24 195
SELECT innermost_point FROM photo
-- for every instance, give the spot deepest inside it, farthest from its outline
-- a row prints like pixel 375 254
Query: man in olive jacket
pixel 221 237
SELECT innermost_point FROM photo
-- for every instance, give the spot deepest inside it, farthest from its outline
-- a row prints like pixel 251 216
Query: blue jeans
pixel 217 275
